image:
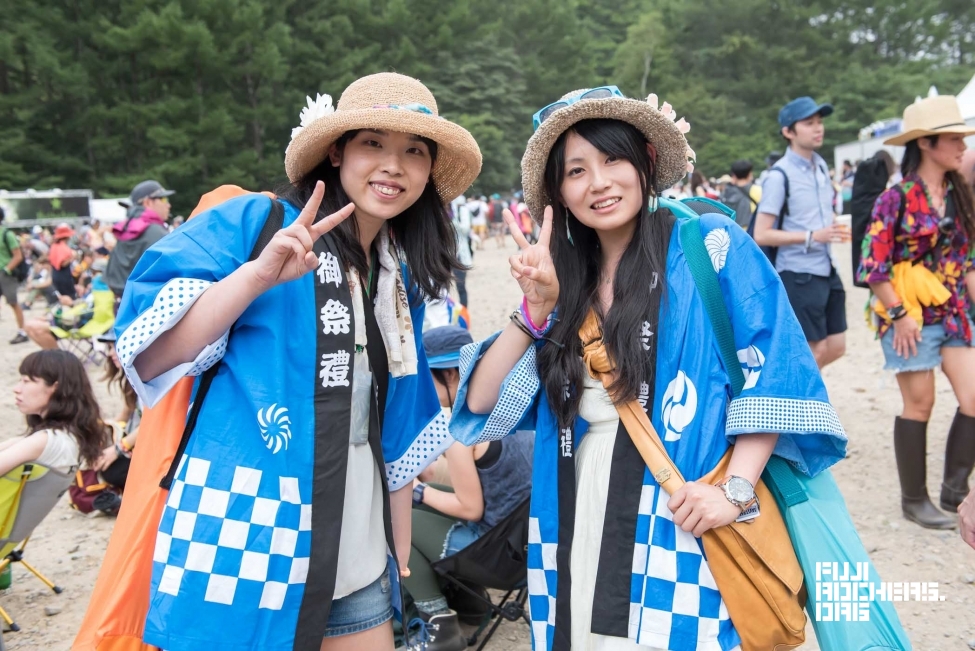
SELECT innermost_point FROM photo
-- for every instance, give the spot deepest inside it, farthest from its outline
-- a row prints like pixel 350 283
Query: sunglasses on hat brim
pixel 602 92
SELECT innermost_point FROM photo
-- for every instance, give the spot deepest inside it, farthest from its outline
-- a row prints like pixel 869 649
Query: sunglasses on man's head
pixel 603 92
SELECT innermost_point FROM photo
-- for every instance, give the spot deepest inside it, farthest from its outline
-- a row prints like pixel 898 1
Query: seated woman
pixel 113 463
pixel 489 481
pixel 64 428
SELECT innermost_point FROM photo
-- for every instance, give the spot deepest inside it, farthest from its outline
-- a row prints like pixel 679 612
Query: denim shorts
pixel 367 608
pixel 460 536
pixel 933 339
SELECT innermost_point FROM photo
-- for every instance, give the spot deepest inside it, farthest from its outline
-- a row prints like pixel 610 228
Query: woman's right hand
pixel 534 269
pixel 290 253
pixel 906 335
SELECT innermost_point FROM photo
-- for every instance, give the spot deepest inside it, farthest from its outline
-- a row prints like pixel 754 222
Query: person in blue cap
pixel 489 480
pixel 795 219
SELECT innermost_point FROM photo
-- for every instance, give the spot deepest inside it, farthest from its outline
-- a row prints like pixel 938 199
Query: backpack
pixel 498 215
pixel 22 270
pixel 771 252
pixel 868 184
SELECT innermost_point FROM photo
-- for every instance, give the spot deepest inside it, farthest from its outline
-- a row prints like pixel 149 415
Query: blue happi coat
pixel 237 539
pixel 659 591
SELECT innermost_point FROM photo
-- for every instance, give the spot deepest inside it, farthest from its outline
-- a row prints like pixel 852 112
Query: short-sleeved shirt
pixel 917 238
pixel 7 247
pixel 810 209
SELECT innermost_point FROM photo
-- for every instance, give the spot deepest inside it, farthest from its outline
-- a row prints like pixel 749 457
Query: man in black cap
pixel 145 224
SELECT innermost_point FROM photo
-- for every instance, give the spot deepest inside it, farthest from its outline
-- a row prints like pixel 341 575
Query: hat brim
pixel 902 139
pixel 448 360
pixel 159 194
pixel 659 130
pixel 458 156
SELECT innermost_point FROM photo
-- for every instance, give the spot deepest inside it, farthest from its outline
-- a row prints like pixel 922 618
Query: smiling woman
pixel 611 320
pixel 293 488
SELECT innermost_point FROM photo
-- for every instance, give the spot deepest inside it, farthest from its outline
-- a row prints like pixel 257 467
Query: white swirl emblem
pixel 717 243
pixel 679 406
pixel 275 427
pixel 752 360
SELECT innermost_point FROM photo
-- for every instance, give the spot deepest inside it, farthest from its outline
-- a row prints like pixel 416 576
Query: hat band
pixel 953 124
pixel 416 108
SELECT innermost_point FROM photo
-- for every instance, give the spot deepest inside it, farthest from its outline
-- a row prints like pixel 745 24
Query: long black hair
pixel 422 232
pixel 961 191
pixel 638 287
pixel 72 406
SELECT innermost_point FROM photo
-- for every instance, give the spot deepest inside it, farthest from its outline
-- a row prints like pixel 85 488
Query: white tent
pixel 966 100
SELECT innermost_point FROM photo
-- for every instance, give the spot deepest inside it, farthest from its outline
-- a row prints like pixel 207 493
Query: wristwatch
pixel 418 493
pixel 738 490
pixel 896 312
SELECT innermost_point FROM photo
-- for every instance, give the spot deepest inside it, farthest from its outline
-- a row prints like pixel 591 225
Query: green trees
pixel 103 93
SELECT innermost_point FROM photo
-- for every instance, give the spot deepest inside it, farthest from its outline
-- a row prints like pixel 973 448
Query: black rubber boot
pixel 959 461
pixel 440 633
pixel 910 445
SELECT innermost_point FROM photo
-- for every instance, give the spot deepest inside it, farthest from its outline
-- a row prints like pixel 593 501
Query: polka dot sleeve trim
pixel 515 399
pixel 430 444
pixel 172 302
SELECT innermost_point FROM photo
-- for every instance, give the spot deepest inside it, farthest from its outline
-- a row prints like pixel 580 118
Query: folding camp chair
pixel 498 560
pixel 27 495
pixel 81 341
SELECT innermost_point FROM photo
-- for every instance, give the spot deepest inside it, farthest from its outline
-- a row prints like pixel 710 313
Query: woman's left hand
pixel 108 456
pixel 699 507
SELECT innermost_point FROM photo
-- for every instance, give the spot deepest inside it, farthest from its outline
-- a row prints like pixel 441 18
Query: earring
pixel 568 232
pixel 654 204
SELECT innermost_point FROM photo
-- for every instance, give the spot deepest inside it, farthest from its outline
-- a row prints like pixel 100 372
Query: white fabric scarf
pixel 392 308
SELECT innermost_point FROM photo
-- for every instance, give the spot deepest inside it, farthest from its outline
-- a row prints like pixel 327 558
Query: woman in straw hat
pixel 917 258
pixel 279 519
pixel 614 563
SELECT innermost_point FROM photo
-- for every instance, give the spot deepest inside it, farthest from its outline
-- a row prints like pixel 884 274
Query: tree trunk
pixel 647 60
pixel 257 131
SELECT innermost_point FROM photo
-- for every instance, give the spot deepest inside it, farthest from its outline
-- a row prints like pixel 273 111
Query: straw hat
pixel 390 102
pixel 659 125
pixel 930 117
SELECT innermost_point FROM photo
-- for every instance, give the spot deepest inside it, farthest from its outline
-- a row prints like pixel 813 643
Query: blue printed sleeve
pixel 517 399
pixel 172 275
pixel 784 392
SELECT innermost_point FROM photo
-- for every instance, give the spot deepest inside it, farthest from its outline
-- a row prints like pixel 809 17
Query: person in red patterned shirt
pixel 917 259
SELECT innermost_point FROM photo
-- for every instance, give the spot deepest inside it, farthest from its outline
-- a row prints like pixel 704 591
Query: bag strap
pixel 273 223
pixel 778 474
pixel 785 201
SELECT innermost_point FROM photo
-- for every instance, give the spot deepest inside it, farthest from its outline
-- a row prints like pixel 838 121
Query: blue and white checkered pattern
pixel 232 534
pixel 674 601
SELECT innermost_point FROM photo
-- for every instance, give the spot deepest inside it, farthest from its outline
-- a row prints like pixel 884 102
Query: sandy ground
pixel 69 547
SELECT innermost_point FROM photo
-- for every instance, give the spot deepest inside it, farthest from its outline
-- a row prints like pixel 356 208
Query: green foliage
pixel 104 93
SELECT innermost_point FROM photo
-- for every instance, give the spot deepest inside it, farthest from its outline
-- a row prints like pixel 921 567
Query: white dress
pixel 593 461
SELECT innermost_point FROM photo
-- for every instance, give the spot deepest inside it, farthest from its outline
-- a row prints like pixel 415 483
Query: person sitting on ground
pixel 40 284
pixel 64 426
pixel 62 257
pixel 489 481
pixel 113 463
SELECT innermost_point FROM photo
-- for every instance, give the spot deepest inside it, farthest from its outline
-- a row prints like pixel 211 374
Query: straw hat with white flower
pixel 931 116
pixel 390 102
pixel 660 126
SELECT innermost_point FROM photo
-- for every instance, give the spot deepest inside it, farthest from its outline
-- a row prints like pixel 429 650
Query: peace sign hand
pixel 290 254
pixel 534 269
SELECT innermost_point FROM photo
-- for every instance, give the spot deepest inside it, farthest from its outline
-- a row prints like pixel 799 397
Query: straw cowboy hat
pixel 659 125
pixel 390 102
pixel 930 117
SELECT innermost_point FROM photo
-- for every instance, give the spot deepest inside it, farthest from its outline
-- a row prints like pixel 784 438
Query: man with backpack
pixel 145 224
pixel 795 224
pixel 741 193
pixel 13 271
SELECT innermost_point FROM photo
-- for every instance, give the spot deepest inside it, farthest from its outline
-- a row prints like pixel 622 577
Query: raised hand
pixel 534 269
pixel 290 254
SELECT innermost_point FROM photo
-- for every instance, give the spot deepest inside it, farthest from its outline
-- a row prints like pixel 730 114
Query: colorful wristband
pixel 537 331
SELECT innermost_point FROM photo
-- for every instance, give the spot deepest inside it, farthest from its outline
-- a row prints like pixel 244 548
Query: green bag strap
pixel 778 473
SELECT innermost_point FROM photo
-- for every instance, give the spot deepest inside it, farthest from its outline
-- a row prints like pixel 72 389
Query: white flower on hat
pixel 317 108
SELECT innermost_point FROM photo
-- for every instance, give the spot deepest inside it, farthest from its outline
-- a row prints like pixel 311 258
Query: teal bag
pixel 815 513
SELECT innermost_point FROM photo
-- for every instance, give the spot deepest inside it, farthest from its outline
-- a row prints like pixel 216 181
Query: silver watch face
pixel 740 490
